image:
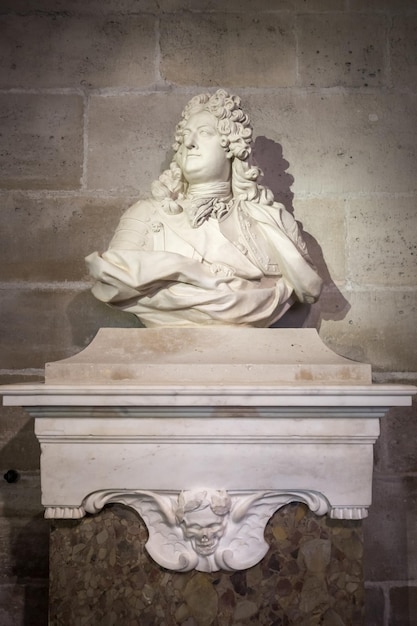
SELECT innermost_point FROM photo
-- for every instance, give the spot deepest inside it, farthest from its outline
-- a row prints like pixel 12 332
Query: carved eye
pixel 207 132
pixel 193 528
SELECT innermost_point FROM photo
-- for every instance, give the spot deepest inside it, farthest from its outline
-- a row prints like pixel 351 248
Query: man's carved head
pixel 233 125
pixel 234 135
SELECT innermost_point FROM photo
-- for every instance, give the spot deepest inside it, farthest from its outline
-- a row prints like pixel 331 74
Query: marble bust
pixel 210 246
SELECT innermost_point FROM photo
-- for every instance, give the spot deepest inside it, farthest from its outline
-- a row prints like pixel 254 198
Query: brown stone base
pixel 101 575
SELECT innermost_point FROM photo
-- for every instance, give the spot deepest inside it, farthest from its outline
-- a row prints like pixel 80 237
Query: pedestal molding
pixel 208 440
pixel 137 395
pixel 64 512
pixel 194 444
pixel 348 512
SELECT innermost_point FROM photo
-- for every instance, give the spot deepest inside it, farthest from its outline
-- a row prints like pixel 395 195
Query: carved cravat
pixel 203 208
pixel 208 200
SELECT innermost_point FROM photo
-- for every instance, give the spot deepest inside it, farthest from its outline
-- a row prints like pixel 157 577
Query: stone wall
pixel 89 95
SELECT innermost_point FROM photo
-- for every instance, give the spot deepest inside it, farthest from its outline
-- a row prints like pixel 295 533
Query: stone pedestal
pixel 206 434
pixel 311 575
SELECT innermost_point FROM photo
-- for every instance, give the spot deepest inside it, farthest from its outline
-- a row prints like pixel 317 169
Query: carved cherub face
pixel 204 528
pixel 201 156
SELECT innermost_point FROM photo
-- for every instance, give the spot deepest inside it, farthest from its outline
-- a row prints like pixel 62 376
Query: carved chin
pixel 206 548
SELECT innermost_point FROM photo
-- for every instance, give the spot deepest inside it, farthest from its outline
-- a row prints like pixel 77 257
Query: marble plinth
pixel 156 420
pixel 223 355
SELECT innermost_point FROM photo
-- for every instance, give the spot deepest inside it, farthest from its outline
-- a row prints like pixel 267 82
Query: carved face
pixel 201 155
pixel 205 529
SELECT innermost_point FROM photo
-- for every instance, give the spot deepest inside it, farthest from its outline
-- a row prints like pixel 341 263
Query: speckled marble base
pixel 100 574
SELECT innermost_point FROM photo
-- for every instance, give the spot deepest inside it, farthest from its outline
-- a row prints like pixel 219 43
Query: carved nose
pixel 189 141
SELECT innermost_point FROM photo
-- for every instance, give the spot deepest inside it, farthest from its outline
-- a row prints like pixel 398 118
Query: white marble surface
pixel 262 444
pixel 240 453
pixel 206 356
pixel 210 247
pixel 206 529
pixel 178 395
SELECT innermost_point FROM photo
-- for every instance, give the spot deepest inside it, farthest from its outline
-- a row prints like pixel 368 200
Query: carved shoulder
pixel 133 231
pixel 141 210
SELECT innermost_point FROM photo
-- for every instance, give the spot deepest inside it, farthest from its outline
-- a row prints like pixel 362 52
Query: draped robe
pixel 246 268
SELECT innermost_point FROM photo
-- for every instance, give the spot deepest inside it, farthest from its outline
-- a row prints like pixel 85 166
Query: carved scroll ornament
pixel 205 529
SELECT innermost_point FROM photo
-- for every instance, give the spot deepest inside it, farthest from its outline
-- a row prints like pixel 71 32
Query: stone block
pixel 379 6
pixel 45 325
pixel 379 328
pixel 66 51
pixel 11 377
pixel 76 7
pixel 374 606
pixel 403 42
pixel 64 229
pixel 216 355
pixel 311 6
pixel 397 449
pixel 323 223
pixel 239 49
pixel 24 603
pixel 22 498
pixel 95 7
pixel 403 606
pixel 19 448
pixel 341 50
pixel 24 548
pixel 130 139
pixel 37 319
pixel 390 531
pixel 41 141
pixel 232 6
pixel 382 241
pixel 341 142
pixel 248 6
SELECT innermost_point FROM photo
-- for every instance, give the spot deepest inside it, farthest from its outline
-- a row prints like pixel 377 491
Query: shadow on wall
pixel 86 316
pixel 332 305
pixel 25 601
pixel 30 545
